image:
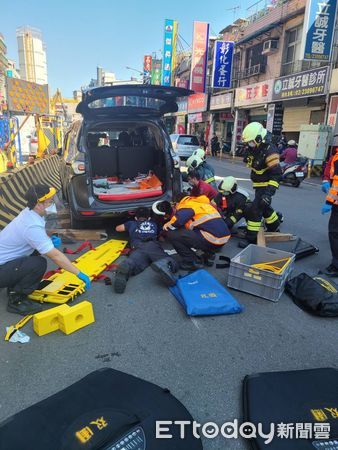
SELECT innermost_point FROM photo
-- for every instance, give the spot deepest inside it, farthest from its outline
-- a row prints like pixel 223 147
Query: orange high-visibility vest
pixel 332 195
pixel 203 212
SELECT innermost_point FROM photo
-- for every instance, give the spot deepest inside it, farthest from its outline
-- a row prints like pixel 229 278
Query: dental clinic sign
pixel 319 26
pixel 309 83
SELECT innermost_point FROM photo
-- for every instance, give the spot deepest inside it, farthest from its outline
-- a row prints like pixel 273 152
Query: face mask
pixel 51 209
pixel 252 144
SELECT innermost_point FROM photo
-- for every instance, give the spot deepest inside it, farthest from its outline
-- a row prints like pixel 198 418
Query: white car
pixel 184 145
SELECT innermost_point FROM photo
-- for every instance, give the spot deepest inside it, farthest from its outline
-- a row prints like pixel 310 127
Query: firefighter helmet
pixel 194 161
pixel 254 132
pixel 200 153
pixel 228 185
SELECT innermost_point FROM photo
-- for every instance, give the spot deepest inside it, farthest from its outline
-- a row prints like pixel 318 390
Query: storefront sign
pixel 303 84
pixel 147 66
pixel 254 94
pixel 195 118
pixel 222 101
pixel 226 116
pixel 333 110
pixel 180 125
pixel 199 56
pixel 197 103
pixel 320 19
pixel 156 73
pixel 274 121
pixel 222 67
pixel 169 28
pixel 182 103
pixel 182 83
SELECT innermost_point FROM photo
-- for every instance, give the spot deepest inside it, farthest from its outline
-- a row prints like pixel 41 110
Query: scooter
pixel 295 173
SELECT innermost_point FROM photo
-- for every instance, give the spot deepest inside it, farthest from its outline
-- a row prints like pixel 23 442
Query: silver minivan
pixel 184 145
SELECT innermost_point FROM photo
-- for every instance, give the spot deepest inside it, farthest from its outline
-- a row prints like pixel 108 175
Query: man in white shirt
pixel 23 245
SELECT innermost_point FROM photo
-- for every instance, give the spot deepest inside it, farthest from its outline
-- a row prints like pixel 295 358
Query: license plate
pixel 299 174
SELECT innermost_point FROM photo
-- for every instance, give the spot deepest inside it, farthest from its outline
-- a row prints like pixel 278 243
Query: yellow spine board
pixel 64 286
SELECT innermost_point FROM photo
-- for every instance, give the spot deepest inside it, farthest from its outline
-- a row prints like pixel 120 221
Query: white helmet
pixel 292 143
pixel 228 185
pixel 200 153
pixel 194 161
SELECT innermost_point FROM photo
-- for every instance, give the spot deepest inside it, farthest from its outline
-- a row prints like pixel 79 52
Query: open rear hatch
pixel 127 150
pixel 126 100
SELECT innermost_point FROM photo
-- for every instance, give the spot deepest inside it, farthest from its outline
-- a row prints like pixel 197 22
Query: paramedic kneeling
pixel 22 242
pixel 196 224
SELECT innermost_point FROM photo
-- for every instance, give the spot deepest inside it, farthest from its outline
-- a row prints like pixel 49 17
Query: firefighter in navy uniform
pixel 263 159
pixel 232 201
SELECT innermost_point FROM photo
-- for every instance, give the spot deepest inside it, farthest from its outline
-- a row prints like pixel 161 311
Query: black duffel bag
pixel 315 295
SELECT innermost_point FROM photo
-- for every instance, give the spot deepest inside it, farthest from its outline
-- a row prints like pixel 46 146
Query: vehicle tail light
pixel 87 213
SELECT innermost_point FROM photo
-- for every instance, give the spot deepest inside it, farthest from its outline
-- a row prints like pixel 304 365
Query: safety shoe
pixel 209 259
pixel 121 278
pixel 19 304
pixel 165 270
pixel 331 271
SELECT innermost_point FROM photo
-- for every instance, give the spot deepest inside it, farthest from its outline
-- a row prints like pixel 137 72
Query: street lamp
pixel 146 78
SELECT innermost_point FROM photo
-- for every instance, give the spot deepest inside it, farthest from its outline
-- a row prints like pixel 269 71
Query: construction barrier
pixel 13 186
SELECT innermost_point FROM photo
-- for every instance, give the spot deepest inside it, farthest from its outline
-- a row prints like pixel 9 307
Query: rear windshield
pixel 137 102
pixel 188 140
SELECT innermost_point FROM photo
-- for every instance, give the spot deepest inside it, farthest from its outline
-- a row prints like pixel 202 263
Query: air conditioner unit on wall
pixel 270 46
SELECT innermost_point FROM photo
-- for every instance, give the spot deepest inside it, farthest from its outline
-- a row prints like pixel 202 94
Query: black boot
pixel 331 271
pixel 209 259
pixel 164 267
pixel 121 278
pixel 19 304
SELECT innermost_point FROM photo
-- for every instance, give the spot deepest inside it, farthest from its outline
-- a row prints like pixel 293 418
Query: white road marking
pixel 194 321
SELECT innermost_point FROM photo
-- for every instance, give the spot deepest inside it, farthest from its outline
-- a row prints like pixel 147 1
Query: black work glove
pixel 265 200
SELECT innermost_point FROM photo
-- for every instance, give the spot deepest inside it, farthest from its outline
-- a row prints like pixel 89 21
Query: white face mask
pixel 252 144
pixel 51 209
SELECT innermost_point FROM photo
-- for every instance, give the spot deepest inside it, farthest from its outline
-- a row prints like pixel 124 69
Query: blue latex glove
pixel 325 186
pixel 85 278
pixel 326 208
pixel 56 241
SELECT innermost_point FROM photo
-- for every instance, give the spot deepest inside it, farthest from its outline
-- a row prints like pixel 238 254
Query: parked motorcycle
pixel 295 173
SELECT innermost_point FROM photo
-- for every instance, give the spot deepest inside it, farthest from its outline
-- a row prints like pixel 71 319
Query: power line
pixel 181 37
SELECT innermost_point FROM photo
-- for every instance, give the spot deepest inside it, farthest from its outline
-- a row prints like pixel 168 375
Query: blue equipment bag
pixel 201 294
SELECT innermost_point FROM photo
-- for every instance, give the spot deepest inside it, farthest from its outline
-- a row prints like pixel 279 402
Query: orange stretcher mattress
pixel 131 195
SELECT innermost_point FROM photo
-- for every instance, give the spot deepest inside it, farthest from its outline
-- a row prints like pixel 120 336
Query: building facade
pixel 32 55
pixel 3 71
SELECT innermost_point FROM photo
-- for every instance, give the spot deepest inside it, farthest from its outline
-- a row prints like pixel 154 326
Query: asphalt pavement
pixel 202 361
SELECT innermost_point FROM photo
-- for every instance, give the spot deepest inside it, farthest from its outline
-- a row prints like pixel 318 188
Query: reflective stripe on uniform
pixel 261 184
pixel 271 219
pixel 210 180
pixel 213 239
pixel 332 197
pixel 233 219
pixel 259 172
pixel 253 226
pixel 273 183
pixel 204 219
pixel 272 160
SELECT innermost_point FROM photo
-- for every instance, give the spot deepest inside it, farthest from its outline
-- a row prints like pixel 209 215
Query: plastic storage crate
pixel 259 282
